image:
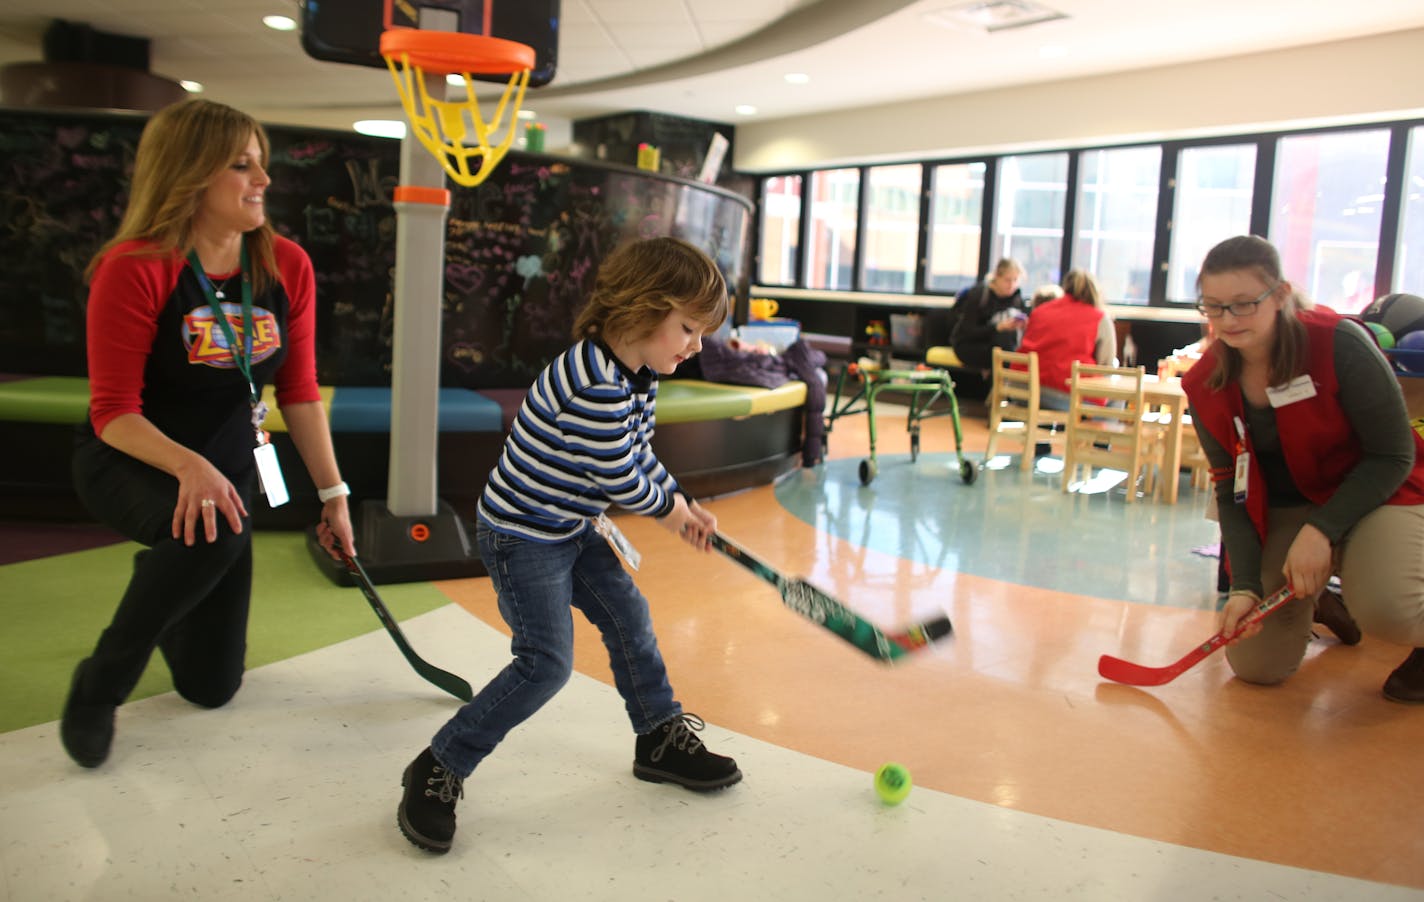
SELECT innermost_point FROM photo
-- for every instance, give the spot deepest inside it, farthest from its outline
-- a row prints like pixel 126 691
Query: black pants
pixel 189 602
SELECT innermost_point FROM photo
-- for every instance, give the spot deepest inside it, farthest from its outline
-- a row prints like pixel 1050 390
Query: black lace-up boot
pixel 672 754
pixel 1406 684
pixel 86 729
pixel 427 810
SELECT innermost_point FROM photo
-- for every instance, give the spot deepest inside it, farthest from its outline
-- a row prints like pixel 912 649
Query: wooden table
pixel 1167 395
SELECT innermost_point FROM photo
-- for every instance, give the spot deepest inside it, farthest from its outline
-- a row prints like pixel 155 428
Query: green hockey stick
pixel 442 678
pixel 818 607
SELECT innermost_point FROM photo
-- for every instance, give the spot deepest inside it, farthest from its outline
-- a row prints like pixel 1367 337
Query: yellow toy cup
pixel 761 308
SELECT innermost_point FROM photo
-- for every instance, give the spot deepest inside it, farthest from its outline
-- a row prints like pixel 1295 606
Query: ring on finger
pixel 208 502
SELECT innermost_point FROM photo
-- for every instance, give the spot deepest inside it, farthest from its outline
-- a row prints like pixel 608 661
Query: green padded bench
pixel 44 399
pixel 693 400
pixel 717 438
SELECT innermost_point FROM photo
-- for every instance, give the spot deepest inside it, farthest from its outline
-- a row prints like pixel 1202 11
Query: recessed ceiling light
pixel 381 128
pixel 745 109
pixel 455 79
pixel 797 78
pixel 528 114
pixel 992 15
pixel 192 87
pixel 1052 51
pixel 280 23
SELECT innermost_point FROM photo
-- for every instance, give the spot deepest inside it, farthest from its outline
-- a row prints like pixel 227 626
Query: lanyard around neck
pixel 241 356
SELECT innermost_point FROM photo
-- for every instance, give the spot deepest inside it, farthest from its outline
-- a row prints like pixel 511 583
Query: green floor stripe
pixel 53 610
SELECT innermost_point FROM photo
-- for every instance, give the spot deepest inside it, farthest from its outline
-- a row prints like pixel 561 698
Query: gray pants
pixel 1381 568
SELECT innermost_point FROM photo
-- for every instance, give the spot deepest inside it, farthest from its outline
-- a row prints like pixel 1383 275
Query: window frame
pixel 1266 144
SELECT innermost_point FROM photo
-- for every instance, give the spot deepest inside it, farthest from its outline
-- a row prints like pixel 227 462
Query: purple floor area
pixel 27 540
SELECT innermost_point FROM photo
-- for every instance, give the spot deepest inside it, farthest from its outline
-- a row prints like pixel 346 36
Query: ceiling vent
pixel 993 15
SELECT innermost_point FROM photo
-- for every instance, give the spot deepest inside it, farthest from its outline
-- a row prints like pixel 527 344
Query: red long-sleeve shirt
pixel 155 349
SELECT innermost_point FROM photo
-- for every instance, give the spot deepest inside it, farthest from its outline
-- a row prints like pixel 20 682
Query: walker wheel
pixel 967 472
pixel 867 471
pixel 914 445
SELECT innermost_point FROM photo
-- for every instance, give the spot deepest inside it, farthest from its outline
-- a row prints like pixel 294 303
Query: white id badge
pixel 1243 474
pixel 1298 389
pixel 620 543
pixel 269 474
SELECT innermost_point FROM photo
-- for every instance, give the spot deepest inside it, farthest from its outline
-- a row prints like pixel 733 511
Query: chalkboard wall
pixel 521 249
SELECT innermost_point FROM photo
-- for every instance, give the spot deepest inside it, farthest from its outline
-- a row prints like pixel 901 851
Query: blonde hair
pixel 1289 351
pixel 640 283
pixel 1081 287
pixel 1007 265
pixel 183 147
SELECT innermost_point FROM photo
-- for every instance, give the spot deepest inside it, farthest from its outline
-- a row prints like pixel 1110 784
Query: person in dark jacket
pixel 991 313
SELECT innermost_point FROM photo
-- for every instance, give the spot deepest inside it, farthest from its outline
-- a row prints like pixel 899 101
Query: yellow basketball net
pixel 454 131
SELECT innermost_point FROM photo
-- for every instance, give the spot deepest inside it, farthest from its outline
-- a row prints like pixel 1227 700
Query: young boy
pixel 581 442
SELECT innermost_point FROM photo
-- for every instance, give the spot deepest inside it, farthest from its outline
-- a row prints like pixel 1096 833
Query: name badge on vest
pixel 1242 481
pixel 1298 389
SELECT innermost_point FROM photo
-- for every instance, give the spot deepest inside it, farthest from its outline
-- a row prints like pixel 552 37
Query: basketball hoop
pixel 441 125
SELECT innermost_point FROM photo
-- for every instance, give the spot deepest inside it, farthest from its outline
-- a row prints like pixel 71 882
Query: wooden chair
pixel 1112 435
pixel 1193 458
pixel 1014 405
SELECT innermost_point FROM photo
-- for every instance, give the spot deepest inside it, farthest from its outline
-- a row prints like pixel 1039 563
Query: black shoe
pixel 86 729
pixel 427 809
pixel 1406 684
pixel 1331 613
pixel 671 754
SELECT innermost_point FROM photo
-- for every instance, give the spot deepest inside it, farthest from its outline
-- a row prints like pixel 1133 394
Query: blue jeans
pixel 538 586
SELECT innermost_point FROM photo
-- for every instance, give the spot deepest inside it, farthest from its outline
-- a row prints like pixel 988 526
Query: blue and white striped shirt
pixel 582 442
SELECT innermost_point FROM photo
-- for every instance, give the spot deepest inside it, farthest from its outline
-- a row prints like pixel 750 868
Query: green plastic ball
pixel 1382 335
pixel 892 783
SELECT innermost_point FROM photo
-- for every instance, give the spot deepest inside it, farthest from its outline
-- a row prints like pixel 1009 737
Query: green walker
pixel 925 385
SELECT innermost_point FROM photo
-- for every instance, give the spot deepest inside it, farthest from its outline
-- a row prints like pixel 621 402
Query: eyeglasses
pixel 1238 308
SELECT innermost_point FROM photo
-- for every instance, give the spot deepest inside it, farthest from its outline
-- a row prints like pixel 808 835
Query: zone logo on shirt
pixel 207 345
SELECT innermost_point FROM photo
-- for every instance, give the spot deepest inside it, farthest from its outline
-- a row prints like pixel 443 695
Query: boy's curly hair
pixel 640 283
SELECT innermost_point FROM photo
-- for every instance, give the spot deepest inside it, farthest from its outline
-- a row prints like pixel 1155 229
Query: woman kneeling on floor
pixel 1316 467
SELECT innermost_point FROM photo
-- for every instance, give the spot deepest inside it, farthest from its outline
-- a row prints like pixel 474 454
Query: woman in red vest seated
pixel 1316 467
pixel 1072 327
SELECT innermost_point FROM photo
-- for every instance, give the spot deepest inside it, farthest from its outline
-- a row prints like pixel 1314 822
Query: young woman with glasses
pixel 1316 468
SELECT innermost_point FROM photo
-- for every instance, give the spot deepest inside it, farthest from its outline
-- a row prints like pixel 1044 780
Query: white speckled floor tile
pixel 290 794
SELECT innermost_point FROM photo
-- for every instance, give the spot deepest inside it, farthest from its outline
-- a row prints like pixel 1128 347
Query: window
pixel 892 228
pixel 1033 191
pixel 1213 203
pixel 1116 220
pixel 780 229
pixel 1326 210
pixel 1409 255
pixel 830 252
pixel 956 214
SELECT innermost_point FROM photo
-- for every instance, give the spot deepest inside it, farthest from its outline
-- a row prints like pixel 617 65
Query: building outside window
pixel 955 226
pixel 1116 220
pixel 780 229
pixel 892 228
pixel 1326 210
pixel 1033 193
pixel 830 251
pixel 1213 203
pixel 1409 254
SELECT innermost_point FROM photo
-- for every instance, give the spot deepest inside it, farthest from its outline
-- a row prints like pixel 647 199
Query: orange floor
pixel 1320 773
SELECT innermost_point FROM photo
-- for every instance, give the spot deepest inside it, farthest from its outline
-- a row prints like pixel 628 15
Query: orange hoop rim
pixel 446 52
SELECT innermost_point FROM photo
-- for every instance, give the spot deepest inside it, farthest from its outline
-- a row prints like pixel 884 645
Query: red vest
pixel 1318 443
pixel 1061 331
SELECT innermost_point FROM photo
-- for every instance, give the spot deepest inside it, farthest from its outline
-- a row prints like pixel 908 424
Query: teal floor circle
pixel 1016 527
